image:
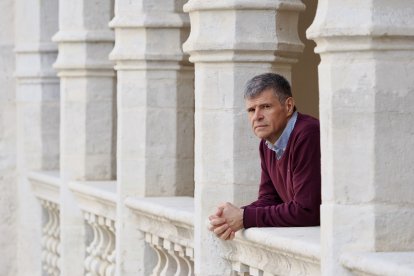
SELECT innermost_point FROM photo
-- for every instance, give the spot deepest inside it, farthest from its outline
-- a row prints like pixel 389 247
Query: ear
pixel 290 105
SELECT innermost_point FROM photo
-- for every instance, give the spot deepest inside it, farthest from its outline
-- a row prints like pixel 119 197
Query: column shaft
pixel 8 197
pixel 155 116
pixel 87 137
pixel 37 98
pixel 366 99
pixel 229 44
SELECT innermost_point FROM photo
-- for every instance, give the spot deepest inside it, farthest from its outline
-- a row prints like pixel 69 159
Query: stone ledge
pixel 174 209
pixel 46 185
pixel 379 263
pixel 96 197
pixel 169 218
pixel 276 251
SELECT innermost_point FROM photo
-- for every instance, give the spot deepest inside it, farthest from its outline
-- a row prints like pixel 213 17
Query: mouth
pixel 259 127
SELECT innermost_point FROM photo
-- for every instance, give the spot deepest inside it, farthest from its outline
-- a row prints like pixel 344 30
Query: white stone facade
pixel 122 126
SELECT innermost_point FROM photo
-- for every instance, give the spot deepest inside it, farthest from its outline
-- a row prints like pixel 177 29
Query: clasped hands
pixel 227 220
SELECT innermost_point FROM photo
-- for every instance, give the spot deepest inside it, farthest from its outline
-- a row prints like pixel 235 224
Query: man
pixel 290 186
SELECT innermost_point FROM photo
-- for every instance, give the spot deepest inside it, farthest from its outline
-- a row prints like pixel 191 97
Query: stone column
pixel 367 132
pixel 37 98
pixel 87 144
pixel 155 116
pixel 8 198
pixel 230 42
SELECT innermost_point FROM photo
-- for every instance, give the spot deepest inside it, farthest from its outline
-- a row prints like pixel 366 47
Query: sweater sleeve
pixel 303 210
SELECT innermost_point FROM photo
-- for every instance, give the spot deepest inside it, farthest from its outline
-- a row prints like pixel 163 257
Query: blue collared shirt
pixel 280 146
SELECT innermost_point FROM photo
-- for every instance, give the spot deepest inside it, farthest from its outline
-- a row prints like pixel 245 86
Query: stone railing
pixel 275 251
pixel 167 223
pixel 97 200
pixel 379 263
pixel 45 186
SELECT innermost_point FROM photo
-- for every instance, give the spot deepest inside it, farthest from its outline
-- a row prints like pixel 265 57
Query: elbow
pixel 310 217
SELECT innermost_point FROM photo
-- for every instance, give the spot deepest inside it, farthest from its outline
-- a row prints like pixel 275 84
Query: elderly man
pixel 290 185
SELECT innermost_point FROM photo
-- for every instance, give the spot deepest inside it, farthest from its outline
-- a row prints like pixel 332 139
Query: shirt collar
pixel 280 146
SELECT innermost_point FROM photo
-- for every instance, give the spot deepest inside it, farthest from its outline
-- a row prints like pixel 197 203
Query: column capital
pixel 373 25
pixel 84 39
pixel 149 38
pixel 287 5
pixel 251 31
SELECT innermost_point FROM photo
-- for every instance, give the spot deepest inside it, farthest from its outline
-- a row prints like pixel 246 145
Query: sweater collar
pixel 279 146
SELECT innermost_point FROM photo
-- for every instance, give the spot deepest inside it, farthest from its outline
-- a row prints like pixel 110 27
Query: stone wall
pixel 8 203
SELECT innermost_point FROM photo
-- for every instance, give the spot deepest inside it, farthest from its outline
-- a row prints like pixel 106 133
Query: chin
pixel 261 136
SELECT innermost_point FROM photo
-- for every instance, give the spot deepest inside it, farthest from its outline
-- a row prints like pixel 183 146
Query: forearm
pixel 289 214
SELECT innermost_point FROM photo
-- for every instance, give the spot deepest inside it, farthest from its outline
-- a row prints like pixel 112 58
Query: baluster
pixel 189 252
pixel 110 269
pixel 156 244
pixel 185 263
pixel 98 250
pixel 171 264
pixel 101 252
pixel 100 259
pixel 241 269
pixel 255 271
pixel 90 218
pixel 50 239
pixel 180 264
pixel 54 240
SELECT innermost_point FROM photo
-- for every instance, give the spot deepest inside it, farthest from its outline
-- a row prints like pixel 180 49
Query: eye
pixel 250 110
pixel 266 106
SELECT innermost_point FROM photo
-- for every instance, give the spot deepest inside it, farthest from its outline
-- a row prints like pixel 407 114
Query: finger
pixel 219 211
pixel 212 227
pixel 221 229
pixel 226 234
pixel 217 221
pixel 232 235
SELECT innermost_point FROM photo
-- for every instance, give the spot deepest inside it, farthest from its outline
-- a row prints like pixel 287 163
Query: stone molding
pixel 275 251
pixel 379 263
pixel 139 40
pixel 272 41
pixel 96 197
pixel 167 223
pixel 40 56
pixel 46 185
pixel 168 213
pixel 286 5
pixel 331 30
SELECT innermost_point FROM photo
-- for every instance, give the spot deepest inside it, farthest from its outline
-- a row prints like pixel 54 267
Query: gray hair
pixel 278 84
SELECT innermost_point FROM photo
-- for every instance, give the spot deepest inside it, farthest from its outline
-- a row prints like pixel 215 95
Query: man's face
pixel 268 117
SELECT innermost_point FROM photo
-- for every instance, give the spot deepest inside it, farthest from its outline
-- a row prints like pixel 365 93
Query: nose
pixel 257 116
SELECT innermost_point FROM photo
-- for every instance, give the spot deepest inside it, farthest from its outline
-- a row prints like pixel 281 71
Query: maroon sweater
pixel 290 188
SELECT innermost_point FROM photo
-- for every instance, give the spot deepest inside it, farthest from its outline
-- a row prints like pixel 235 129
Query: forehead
pixel 267 96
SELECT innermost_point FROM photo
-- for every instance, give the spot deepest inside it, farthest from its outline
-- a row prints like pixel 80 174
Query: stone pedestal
pixel 37 98
pixel 87 145
pixel 155 116
pixel 247 38
pixel 366 113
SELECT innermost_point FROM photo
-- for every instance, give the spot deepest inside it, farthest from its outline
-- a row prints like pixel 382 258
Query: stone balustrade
pixel 45 186
pixel 167 223
pixel 97 200
pixel 51 238
pixel 275 251
pixel 379 263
